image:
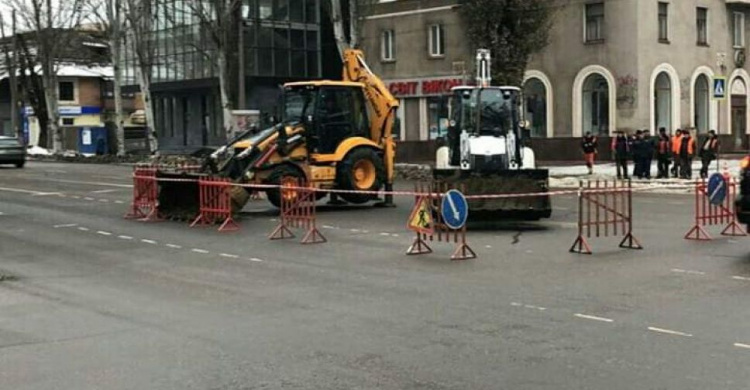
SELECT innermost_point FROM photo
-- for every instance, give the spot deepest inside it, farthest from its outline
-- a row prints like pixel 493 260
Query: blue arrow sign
pixel 717 189
pixel 454 209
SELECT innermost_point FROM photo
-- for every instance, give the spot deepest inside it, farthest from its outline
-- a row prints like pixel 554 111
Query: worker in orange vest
pixel 676 142
pixel 709 151
pixel 663 154
pixel 687 152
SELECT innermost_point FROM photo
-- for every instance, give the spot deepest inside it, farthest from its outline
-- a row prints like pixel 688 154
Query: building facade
pixel 280 41
pixel 609 65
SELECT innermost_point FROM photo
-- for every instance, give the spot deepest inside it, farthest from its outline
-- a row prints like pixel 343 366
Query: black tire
pixel 346 175
pixel 276 177
pixel 20 164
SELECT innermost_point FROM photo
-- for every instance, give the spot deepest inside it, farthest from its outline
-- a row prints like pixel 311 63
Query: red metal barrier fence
pixel 709 214
pixel 605 210
pixel 145 195
pixel 298 210
pixel 427 221
pixel 215 203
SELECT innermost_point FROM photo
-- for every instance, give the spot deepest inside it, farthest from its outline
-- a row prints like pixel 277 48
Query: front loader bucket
pixel 526 181
pixel 179 195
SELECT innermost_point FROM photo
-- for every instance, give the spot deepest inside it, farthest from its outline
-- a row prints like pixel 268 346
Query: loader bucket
pixel 527 181
pixel 180 200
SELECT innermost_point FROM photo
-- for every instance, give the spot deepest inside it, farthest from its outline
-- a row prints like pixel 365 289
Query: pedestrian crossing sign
pixel 720 88
pixel 421 220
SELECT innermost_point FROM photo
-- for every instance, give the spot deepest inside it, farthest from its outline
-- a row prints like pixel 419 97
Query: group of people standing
pixel 677 150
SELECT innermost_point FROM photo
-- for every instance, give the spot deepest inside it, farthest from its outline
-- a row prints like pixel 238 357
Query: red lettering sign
pixel 423 87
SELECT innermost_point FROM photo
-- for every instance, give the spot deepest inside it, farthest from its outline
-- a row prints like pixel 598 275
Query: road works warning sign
pixel 421 220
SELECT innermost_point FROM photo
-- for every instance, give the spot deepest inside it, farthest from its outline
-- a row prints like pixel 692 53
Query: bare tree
pixel 109 15
pixel 54 29
pixel 32 88
pixel 139 15
pixel 218 19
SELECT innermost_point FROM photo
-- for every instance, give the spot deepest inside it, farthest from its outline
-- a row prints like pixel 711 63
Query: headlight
pixel 745 163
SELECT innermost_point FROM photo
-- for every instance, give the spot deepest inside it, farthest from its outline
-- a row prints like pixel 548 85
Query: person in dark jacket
pixel 687 151
pixel 589 145
pixel 620 150
pixel 709 151
pixel 638 149
pixel 663 154
pixel 649 146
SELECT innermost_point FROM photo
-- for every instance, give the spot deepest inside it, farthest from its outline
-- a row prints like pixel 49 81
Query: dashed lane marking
pixel 102 191
pixel 743 278
pixel 48 194
pixel 104 200
pixel 125 237
pixel 255 259
pixel 196 250
pixel 93 183
pixel 152 242
pixel 741 345
pixel 103 233
pixel 67 225
pixel 516 304
pixel 687 271
pixel 119 202
pixel 173 246
pixel 669 332
pixel 83 229
pixel 87 198
pixel 593 318
pixel 227 255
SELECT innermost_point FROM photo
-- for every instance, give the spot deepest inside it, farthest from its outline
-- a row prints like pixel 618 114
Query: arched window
pixel 535 106
pixel 701 102
pixel 596 105
pixel 663 102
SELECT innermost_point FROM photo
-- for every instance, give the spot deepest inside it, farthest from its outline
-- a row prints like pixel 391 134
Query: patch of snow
pixel 38 151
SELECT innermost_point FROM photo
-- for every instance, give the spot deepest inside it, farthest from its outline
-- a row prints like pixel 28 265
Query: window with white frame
pixel 739 29
pixel 663 21
pixel 701 24
pixel 594 22
pixel 386 48
pixel 437 40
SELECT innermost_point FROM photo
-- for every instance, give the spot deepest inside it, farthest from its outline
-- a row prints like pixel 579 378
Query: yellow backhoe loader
pixel 333 135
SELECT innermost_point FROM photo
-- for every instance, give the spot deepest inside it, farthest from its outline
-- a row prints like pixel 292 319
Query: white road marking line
pixel 535 307
pixel 102 191
pixel 47 194
pixel 257 260
pixel 20 190
pixel 561 208
pixel 740 345
pixel 365 231
pixel 83 229
pixel 743 278
pixel 152 242
pixel 196 250
pixel 61 226
pixel 516 304
pixel 104 200
pixel 328 227
pixel 687 271
pixel 354 230
pixel 228 255
pixel 125 237
pixel 87 198
pixel 75 197
pixel 394 235
pixel 670 332
pixel 93 183
pixel 385 234
pixel 488 246
pixel 119 202
pixel 103 233
pixel 593 318
pixel 173 246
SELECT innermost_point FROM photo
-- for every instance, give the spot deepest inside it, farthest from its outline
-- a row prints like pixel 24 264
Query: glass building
pixel 276 41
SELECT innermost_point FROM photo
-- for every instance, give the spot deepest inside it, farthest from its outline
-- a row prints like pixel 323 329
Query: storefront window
pixel 437 117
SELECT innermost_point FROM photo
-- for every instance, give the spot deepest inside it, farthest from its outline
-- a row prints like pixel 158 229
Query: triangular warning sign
pixel 420 219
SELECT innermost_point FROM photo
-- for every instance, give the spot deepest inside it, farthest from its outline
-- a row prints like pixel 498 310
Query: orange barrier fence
pixel 298 210
pixel 426 221
pixel 708 213
pixel 215 204
pixel 605 210
pixel 145 195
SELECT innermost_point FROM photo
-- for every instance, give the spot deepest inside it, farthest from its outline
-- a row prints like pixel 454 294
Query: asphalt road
pixel 89 300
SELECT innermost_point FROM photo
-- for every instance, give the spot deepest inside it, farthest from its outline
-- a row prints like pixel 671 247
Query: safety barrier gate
pixel 298 210
pixel 427 222
pixel 708 213
pixel 215 204
pixel 145 202
pixel 605 210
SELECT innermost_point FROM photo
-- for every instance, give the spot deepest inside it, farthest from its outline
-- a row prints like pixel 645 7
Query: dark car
pixel 742 203
pixel 12 152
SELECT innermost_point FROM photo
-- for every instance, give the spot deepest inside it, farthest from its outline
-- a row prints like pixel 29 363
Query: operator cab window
pixel 336 118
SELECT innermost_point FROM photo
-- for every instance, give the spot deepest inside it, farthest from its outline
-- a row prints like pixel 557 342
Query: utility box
pixel 93 140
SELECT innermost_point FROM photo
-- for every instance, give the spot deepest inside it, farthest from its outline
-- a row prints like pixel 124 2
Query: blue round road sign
pixel 454 209
pixel 717 189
